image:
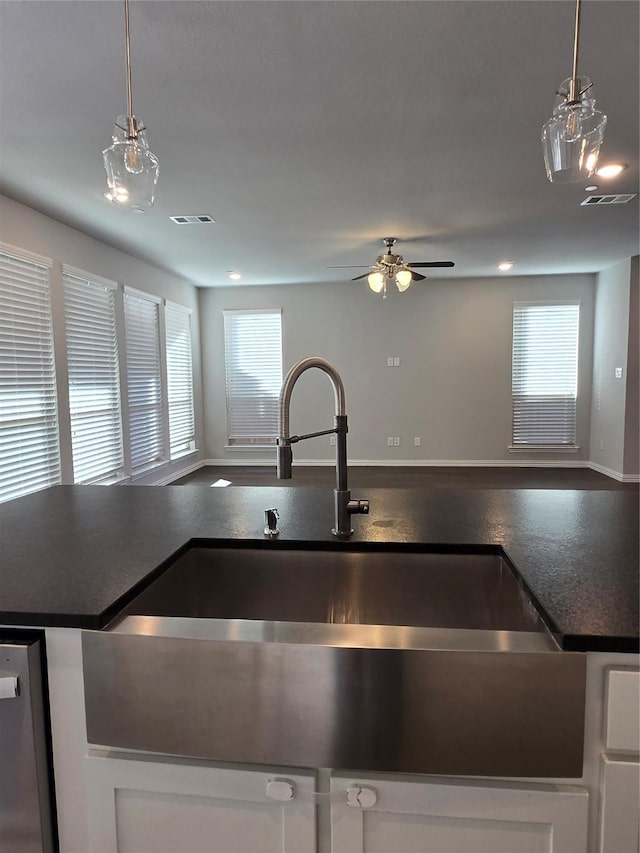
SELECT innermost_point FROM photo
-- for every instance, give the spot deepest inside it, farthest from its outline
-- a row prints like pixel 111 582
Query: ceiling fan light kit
pixel 376 281
pixel 572 137
pixel 403 278
pixel 132 169
pixel 392 267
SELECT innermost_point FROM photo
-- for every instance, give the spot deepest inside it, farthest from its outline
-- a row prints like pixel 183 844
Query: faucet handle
pixel 271 517
pixel 359 507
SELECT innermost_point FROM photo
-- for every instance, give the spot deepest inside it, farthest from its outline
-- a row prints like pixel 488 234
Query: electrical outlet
pixel 332 440
pixel 417 441
pixel 390 361
pixel 396 361
pixel 618 373
pixel 389 441
pixel 396 441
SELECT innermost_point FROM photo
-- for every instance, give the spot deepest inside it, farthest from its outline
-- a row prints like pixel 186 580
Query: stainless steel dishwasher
pixel 26 813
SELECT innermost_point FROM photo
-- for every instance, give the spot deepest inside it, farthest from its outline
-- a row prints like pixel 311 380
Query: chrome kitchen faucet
pixel 344 507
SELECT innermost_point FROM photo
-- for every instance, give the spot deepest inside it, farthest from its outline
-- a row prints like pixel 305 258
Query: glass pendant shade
pixel 132 170
pixel 572 137
pixel 403 280
pixel 375 281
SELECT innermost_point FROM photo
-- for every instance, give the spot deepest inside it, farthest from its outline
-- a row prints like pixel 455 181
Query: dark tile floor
pixel 412 478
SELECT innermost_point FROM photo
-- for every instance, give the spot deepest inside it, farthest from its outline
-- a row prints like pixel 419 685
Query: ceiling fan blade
pixel 358 277
pixel 433 264
pixel 415 276
pixel 350 267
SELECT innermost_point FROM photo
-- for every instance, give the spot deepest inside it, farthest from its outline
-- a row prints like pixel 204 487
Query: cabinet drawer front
pixel 623 710
pixel 144 803
pixel 448 815
pixel 619 810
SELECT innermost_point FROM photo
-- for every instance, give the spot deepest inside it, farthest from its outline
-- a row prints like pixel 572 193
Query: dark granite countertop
pixel 74 555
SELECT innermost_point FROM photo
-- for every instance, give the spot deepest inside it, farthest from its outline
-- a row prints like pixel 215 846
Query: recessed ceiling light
pixel 505 265
pixel 591 188
pixel 611 170
pixel 235 275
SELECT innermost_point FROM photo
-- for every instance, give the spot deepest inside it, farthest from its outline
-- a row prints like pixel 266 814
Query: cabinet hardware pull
pixel 361 796
pixel 281 790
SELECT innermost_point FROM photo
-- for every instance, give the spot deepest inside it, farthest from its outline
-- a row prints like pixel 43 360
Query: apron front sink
pixel 373 657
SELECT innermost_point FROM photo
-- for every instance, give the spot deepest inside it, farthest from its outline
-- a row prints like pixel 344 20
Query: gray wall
pixel 631 461
pixel 453 338
pixel 27 229
pixel 610 350
pixel 453 388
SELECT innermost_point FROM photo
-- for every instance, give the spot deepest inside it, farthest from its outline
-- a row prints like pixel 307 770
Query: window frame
pixel 259 439
pixel 37 352
pixel 187 393
pixel 559 417
pixel 129 408
pixel 116 472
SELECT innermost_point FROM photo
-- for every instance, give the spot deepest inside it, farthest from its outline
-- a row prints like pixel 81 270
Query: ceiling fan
pixel 391 266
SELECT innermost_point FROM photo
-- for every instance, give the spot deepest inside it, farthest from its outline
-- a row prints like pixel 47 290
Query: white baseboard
pixel 616 475
pixel 232 463
pixel 467 463
pixel 411 463
pixel 176 475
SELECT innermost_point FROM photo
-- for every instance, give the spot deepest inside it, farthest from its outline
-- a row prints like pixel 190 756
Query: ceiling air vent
pixel 192 220
pixel 608 199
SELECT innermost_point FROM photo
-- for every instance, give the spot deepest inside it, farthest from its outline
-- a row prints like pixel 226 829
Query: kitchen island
pixel 72 557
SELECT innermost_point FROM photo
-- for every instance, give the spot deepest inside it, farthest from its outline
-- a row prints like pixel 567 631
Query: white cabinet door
pixel 619 809
pixel 144 805
pixel 456 817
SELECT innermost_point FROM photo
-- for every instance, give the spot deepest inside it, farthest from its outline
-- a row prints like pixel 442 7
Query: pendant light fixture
pixel 132 170
pixel 572 137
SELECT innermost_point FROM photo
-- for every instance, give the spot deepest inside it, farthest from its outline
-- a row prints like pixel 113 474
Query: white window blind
pixel 179 379
pixel 253 369
pixel 94 383
pixel 29 444
pixel 545 374
pixel 144 385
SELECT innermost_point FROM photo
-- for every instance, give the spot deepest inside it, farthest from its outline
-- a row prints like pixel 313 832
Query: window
pixel 253 370
pixel 29 444
pixel 179 379
pixel 144 381
pixel 94 385
pixel 544 374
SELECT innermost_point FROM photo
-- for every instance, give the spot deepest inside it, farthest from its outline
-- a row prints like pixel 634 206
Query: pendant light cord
pixel 574 95
pixel 131 128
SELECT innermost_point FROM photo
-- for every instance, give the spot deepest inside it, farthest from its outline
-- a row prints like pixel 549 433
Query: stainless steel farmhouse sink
pixel 351 656
pixel 352 587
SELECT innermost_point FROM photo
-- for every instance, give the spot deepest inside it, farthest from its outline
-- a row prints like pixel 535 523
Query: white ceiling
pixel 311 130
